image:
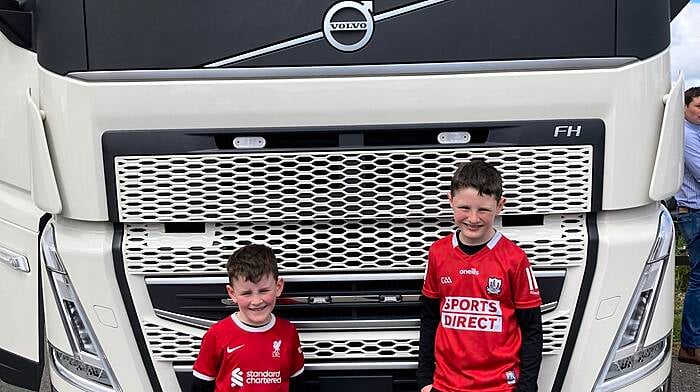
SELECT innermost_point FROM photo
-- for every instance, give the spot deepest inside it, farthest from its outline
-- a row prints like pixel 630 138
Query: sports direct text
pixel 472 314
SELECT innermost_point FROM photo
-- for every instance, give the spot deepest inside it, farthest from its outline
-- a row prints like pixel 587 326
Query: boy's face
pixel 474 215
pixel 255 300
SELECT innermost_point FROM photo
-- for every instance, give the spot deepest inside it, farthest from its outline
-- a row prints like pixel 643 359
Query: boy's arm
pixel 297 380
pixel 529 316
pixel 206 365
pixel 297 383
pixel 530 322
pixel 199 385
pixel 430 316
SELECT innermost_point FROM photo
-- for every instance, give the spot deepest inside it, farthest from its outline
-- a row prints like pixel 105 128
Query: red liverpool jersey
pixel 477 343
pixel 242 358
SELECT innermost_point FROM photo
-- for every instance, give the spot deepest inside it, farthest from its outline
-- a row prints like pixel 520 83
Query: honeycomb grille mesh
pixel 554 333
pixel 342 185
pixel 317 247
pixel 360 348
pixel 169 345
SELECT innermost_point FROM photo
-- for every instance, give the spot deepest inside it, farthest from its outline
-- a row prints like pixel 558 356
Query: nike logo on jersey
pixel 230 350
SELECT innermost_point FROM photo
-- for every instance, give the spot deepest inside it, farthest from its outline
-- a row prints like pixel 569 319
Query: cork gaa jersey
pixel 241 358
pixel 477 343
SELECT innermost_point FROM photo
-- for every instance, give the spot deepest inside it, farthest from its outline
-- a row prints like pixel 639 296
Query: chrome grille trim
pixel 383 184
pixel 356 299
pixel 337 366
pixel 183 319
pixel 322 325
pixel 548 307
pixel 222 280
pixel 353 70
pixel 170 345
pixel 302 325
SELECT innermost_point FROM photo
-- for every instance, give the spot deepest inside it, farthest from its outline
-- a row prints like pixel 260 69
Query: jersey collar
pixel 248 328
pixel 491 244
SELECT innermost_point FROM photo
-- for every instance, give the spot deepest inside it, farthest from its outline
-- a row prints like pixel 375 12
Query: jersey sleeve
pixel 296 360
pixel 206 367
pixel 430 286
pixel 526 292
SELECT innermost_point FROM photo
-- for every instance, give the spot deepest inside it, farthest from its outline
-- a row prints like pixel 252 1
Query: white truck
pixel 141 142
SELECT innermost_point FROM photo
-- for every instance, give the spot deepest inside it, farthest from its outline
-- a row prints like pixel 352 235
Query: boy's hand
pixel 427 388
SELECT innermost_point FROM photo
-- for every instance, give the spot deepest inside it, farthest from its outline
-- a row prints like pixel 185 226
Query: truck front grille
pixel 342 185
pixel 334 217
pixel 333 246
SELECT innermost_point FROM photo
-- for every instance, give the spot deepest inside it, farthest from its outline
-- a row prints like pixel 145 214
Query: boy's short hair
pixel 480 175
pixel 690 94
pixel 252 262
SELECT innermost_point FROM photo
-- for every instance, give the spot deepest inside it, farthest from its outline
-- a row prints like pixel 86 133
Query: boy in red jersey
pixel 251 350
pixel 481 326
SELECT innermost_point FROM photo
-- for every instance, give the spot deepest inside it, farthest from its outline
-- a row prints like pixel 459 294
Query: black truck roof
pixel 87 35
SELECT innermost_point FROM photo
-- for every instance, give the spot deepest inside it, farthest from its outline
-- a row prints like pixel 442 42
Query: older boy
pixel 481 289
pixel 251 350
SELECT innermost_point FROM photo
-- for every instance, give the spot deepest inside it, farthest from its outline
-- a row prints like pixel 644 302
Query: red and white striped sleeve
pixel 206 367
pixel 526 291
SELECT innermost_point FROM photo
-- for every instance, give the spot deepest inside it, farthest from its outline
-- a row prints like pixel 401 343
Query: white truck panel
pixel 86 250
pixel 79 112
pixel 18 72
pixel 44 188
pixel 16 206
pixel 626 238
pixel 19 293
pixel 668 166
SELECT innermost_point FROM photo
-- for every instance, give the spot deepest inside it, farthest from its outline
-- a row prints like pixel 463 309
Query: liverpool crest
pixel 276 345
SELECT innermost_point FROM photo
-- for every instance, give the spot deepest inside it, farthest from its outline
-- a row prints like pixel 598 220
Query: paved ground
pixel 45 385
pixel 686 378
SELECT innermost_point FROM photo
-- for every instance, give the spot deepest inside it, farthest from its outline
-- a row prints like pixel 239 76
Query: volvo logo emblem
pixel 348 25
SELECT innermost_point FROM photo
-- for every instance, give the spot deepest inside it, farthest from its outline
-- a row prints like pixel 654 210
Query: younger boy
pixel 481 326
pixel 251 350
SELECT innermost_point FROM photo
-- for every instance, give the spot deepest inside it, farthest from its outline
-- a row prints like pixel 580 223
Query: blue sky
pixel 685 44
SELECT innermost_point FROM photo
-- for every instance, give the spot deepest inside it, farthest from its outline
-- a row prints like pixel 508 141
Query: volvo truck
pixel 142 142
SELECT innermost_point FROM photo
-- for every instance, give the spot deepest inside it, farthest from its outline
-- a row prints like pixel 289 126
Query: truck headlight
pixel 79 372
pixel 628 360
pixel 86 367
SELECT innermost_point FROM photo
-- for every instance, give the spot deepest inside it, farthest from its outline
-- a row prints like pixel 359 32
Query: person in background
pixel 688 200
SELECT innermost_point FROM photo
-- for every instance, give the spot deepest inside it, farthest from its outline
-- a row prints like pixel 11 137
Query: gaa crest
pixel 494 286
pixel 510 377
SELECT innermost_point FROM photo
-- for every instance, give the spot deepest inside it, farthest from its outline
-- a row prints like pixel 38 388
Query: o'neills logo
pixel 472 314
pixel 470 271
pixel 263 377
pixel 348 25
